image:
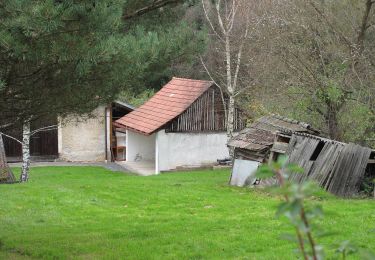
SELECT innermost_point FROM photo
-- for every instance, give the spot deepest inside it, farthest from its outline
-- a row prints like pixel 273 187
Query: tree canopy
pixel 63 57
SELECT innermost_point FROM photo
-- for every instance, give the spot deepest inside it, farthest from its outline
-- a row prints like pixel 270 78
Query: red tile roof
pixel 171 101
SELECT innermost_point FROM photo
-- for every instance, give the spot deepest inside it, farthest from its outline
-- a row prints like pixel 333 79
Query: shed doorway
pixel 116 137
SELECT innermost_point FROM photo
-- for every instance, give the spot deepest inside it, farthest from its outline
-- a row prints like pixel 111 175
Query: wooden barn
pixel 182 125
pixel 338 167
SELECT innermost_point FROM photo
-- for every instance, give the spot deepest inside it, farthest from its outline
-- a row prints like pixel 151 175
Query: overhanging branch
pixel 10 137
pixel 155 5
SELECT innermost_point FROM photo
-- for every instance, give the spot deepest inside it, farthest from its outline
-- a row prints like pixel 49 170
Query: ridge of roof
pixel 264 130
pixel 318 138
pixel 292 121
pixel 198 80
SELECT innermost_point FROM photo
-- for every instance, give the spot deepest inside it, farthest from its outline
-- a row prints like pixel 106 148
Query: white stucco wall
pixel 189 149
pixel 139 146
pixel 83 139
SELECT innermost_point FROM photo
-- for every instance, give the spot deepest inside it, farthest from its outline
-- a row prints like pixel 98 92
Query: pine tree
pixel 69 56
pixel 59 58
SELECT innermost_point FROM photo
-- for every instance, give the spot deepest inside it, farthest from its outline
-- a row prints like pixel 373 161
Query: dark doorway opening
pixel 43 145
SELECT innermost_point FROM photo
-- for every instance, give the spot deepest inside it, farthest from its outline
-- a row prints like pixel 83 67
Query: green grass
pixel 91 213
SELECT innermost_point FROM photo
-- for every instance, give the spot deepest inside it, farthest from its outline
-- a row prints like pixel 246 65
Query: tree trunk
pixel 25 152
pixel 230 123
pixel 6 175
pixel 230 88
pixel 332 123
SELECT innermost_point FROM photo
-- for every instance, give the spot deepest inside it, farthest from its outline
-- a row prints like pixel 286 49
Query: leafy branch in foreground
pixel 300 215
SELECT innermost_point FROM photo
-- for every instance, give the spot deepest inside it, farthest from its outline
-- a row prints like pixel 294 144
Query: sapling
pixel 293 206
pixel 299 214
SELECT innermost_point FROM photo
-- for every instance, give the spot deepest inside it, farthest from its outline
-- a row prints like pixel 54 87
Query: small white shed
pixel 182 125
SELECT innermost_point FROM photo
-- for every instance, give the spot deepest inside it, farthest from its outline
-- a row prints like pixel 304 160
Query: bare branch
pixel 44 129
pixel 217 84
pixel 232 15
pixel 156 4
pixel 328 22
pixel 11 137
pixel 239 55
pixel 6 125
pixel 210 22
pixel 208 72
pixel 364 26
pixel 220 19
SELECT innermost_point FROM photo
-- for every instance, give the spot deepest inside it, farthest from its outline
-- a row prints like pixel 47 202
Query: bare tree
pixel 326 59
pixel 231 25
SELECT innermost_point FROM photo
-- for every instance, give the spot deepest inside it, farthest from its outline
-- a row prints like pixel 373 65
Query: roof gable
pixel 168 103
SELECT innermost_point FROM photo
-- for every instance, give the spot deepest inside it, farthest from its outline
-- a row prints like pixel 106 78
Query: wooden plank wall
pixel 300 151
pixel 349 170
pixel 244 154
pixel 206 114
pixel 339 168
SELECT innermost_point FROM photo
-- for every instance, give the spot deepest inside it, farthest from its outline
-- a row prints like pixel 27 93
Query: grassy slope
pixel 88 212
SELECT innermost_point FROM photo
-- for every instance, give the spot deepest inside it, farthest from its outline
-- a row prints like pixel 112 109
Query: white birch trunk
pixel 226 20
pixel 25 152
pixel 231 90
pixel 230 123
pixel 231 111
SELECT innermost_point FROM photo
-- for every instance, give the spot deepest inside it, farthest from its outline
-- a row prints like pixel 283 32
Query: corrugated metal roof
pixel 260 135
pixel 172 100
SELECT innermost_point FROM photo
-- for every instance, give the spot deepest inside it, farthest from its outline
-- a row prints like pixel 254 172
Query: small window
pixel 317 151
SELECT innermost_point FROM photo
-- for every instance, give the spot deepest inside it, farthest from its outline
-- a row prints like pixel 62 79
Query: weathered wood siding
pixel 207 113
pixel 245 154
pixel 339 168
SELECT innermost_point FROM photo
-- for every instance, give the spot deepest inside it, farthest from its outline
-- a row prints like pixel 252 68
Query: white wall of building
pixel 139 147
pixel 189 149
pixel 83 139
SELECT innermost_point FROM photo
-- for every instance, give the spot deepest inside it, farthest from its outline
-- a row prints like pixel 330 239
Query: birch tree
pixel 27 133
pixel 232 23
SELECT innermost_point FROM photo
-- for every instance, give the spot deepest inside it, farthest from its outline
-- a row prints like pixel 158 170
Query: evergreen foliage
pixel 63 57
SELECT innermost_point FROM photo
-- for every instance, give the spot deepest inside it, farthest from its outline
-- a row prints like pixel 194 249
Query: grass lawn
pixel 91 213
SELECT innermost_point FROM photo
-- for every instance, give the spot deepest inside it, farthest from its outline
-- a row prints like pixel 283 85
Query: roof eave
pixel 123 104
pixel 116 124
